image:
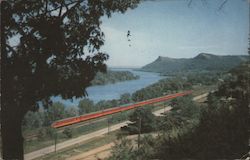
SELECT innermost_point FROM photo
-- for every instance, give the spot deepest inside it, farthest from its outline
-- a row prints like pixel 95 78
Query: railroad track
pixel 87 117
pixel 81 139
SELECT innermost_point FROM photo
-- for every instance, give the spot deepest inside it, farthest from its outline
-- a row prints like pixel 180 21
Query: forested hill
pixel 202 62
pixel 113 77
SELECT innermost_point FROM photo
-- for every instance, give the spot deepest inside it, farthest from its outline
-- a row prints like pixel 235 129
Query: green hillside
pixel 113 77
pixel 202 62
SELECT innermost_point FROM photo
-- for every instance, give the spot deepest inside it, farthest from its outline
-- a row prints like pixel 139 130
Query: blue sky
pixel 170 28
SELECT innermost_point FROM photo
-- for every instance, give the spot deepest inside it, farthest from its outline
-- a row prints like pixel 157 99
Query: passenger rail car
pixel 86 117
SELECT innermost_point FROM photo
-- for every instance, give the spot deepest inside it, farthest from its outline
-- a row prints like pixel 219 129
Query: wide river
pixel 113 91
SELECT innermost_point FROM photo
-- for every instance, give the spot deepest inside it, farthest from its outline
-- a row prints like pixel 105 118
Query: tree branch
pixel 60 11
pixel 222 5
pixel 189 3
pixel 11 48
pixel 54 9
pixel 46 7
pixel 65 14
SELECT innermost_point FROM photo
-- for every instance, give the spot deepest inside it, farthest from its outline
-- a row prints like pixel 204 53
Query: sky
pixel 171 28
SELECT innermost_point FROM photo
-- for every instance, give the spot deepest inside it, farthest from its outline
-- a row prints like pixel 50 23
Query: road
pixel 160 111
pixel 80 139
pixel 100 152
pixel 104 151
pixel 201 97
pixel 74 141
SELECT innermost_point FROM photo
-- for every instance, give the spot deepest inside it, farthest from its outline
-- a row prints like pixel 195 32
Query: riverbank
pixel 114 91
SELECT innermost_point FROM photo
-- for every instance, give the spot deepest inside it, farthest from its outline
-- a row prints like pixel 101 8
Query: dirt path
pixel 80 139
pixel 160 111
pixel 94 154
pixel 201 97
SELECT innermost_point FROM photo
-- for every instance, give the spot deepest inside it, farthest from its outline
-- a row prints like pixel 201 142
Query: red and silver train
pixel 82 118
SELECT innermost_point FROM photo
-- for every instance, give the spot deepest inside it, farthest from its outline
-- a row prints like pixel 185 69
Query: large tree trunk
pixel 11 113
pixel 11 132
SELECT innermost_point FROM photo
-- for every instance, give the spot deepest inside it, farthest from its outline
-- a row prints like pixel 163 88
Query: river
pixel 113 91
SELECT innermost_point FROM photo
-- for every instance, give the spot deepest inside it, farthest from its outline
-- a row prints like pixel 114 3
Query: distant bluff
pixel 201 62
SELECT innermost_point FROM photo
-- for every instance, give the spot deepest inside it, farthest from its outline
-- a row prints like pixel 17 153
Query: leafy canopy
pixel 52 47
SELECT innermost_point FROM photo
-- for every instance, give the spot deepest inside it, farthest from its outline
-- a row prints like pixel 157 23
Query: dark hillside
pixel 202 62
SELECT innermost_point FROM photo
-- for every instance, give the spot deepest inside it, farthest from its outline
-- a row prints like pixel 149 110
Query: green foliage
pixel 71 112
pixel 125 98
pixel 41 134
pixel 55 112
pixel 143 121
pixel 104 104
pixel 177 83
pixel 205 78
pixel 224 125
pixel 146 150
pixel 122 150
pixel 44 118
pixel 113 77
pixel 49 132
pixel 185 113
pixel 33 120
pixel 56 52
pixel 162 87
pixel 45 132
pixel 85 106
pixel 185 107
pixel 222 132
pixel 190 131
pixel 48 47
pixel 67 132
pixel 175 147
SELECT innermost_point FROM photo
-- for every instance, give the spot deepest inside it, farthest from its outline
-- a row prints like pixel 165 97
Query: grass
pixel 36 144
pixel 39 143
pixel 80 148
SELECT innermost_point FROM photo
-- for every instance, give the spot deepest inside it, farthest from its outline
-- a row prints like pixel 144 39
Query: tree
pixel 55 112
pixel 85 106
pixel 223 128
pixel 224 125
pixel 185 108
pixel 123 149
pixel 143 121
pixel 49 48
pixel 71 112
pixel 125 98
pixel 33 120
pixel 146 149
